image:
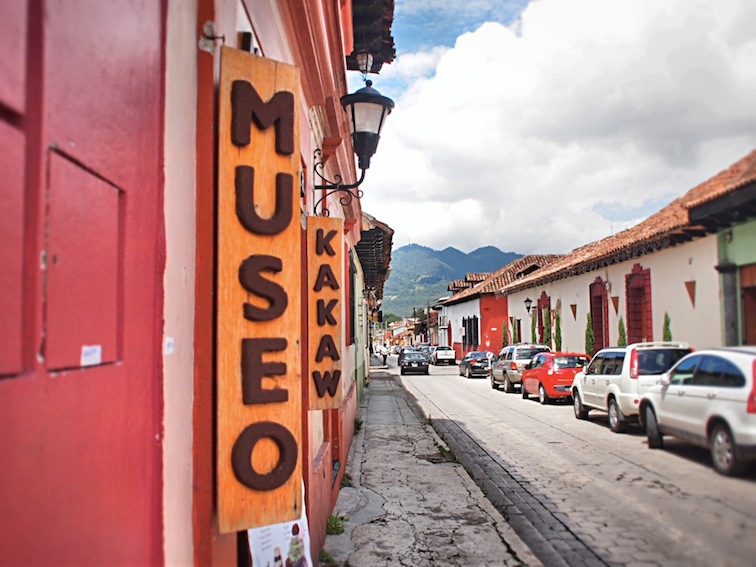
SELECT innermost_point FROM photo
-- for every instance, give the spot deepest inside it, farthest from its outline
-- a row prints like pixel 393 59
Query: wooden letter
pixel 254 370
pixel 253 282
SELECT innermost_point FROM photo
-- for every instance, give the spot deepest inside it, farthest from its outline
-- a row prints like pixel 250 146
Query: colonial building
pixel 184 301
pixel 475 316
pixel 687 272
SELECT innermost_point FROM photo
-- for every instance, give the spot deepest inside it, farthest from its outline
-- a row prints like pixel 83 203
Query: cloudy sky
pixel 540 126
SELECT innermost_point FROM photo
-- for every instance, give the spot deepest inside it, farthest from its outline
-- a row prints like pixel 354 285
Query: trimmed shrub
pixel 589 335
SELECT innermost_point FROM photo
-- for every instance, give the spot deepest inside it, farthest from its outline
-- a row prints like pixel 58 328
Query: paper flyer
pixel 282 545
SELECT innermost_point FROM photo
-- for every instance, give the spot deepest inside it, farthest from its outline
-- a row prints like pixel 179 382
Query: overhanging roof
pixel 371 24
pixel 374 252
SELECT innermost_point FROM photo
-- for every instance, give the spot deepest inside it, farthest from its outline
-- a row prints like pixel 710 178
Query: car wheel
pixel 724 453
pixel 401 372
pixel 542 397
pixel 468 374
pixel 525 394
pixel 653 434
pixel 461 372
pixel 427 372
pixel 577 405
pixel 616 421
pixel 494 385
pixel 508 388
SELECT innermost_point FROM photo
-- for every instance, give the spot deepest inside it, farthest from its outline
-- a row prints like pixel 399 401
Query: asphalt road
pixel 579 494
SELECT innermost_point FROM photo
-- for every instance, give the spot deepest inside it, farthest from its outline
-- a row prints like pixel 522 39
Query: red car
pixel 549 374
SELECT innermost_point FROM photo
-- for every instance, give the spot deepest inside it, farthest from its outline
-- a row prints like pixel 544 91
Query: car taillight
pixel 751 406
pixel 513 365
pixel 634 364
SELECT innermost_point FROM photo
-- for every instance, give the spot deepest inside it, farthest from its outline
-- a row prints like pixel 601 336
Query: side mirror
pixel 664 379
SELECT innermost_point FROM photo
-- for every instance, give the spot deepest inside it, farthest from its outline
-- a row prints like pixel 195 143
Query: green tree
pixel 589 335
pixel 533 328
pixel 622 340
pixel 667 330
pixel 558 332
pixel 546 326
pixel 391 318
pixel 516 331
pixel 504 333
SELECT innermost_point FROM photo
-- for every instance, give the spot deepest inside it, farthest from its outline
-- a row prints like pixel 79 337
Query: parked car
pixel 507 367
pixel 549 375
pixel 475 363
pixel 444 355
pixel 709 399
pixel 414 362
pixel 617 377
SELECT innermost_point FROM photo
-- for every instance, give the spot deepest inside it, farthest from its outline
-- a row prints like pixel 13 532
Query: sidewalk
pixel 410 502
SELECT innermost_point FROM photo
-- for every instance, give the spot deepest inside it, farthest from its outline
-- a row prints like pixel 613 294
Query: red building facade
pixel 108 131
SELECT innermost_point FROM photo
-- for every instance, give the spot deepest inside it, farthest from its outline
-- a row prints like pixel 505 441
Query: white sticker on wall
pixel 168 347
pixel 91 355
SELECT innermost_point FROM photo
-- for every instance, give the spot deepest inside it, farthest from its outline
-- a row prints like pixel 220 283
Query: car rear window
pixel 415 356
pixel 658 361
pixel 443 348
pixel 529 352
pixel 569 362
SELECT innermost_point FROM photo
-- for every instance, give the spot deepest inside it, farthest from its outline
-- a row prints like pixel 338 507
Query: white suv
pixel 709 399
pixel 617 377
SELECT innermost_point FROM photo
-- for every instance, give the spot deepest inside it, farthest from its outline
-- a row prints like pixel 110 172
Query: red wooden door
pixel 80 285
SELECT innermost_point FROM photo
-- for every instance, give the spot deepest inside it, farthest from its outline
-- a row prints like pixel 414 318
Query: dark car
pixel 404 352
pixel 475 363
pixel 414 362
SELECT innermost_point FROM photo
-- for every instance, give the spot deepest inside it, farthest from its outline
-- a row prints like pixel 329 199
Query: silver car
pixel 507 367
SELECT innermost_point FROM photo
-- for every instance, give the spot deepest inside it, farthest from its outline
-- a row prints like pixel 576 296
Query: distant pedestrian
pixel 384 353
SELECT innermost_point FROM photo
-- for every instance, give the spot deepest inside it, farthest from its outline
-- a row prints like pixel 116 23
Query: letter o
pixel 241 456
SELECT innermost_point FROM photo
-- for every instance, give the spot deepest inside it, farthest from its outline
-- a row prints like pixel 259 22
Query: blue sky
pixel 423 24
pixel 540 126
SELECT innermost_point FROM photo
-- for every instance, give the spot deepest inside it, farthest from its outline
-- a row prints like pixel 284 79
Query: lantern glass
pixel 364 62
pixel 366 117
pixel 367 110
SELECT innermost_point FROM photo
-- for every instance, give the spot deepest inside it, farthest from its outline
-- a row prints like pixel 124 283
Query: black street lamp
pixel 367 110
pixel 528 304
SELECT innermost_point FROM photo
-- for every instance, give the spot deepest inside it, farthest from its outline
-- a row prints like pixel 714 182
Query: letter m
pixel 246 106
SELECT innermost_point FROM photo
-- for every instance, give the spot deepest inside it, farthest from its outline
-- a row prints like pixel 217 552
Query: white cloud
pixel 581 117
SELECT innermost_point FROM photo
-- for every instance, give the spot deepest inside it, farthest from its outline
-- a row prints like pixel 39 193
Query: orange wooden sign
pixel 259 391
pixel 325 269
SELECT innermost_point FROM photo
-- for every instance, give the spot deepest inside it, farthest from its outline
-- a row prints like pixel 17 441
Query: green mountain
pixel 420 275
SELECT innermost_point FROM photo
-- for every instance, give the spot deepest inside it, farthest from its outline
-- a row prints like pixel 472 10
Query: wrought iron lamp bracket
pixel 331 187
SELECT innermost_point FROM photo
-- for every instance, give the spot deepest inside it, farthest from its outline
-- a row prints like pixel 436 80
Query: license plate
pixel 414 364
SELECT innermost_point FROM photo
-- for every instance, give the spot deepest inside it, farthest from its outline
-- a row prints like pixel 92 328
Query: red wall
pixel 494 312
pixel 81 477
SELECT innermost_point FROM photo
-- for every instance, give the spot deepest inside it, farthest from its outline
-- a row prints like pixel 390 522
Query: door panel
pixel 81 447
pixel 13 61
pixel 83 272
pixel 11 252
pixel 749 316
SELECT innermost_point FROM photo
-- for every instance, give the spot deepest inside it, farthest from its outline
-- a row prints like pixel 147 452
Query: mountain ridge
pixel 420 275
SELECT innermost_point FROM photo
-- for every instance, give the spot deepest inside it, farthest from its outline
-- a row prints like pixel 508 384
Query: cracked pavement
pixel 411 503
